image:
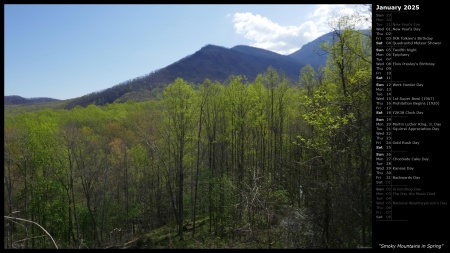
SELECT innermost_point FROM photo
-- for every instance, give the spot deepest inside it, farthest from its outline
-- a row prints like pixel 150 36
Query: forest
pixel 265 163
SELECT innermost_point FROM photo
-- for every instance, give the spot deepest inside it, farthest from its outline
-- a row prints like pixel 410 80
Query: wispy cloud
pixel 266 34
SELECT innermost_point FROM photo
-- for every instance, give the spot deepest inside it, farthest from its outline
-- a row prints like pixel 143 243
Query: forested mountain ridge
pixel 14 100
pixel 311 53
pixel 213 62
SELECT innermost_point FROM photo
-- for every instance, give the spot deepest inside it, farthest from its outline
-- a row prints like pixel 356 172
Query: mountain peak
pixel 212 47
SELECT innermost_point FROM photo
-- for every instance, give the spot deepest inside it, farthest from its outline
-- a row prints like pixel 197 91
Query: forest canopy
pixel 238 164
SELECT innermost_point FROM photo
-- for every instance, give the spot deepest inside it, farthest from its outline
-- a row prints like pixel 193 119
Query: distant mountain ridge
pixel 216 63
pixel 310 53
pixel 16 100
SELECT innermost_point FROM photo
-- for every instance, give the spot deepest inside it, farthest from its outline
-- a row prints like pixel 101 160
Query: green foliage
pixel 244 159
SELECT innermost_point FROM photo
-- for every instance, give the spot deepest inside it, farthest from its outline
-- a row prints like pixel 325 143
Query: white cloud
pixel 266 34
pixel 359 10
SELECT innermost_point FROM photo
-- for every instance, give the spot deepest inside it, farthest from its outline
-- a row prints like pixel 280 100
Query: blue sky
pixel 65 51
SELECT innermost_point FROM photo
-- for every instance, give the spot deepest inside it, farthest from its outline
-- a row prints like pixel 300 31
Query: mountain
pixel 310 53
pixel 218 63
pixel 213 62
pixel 16 100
